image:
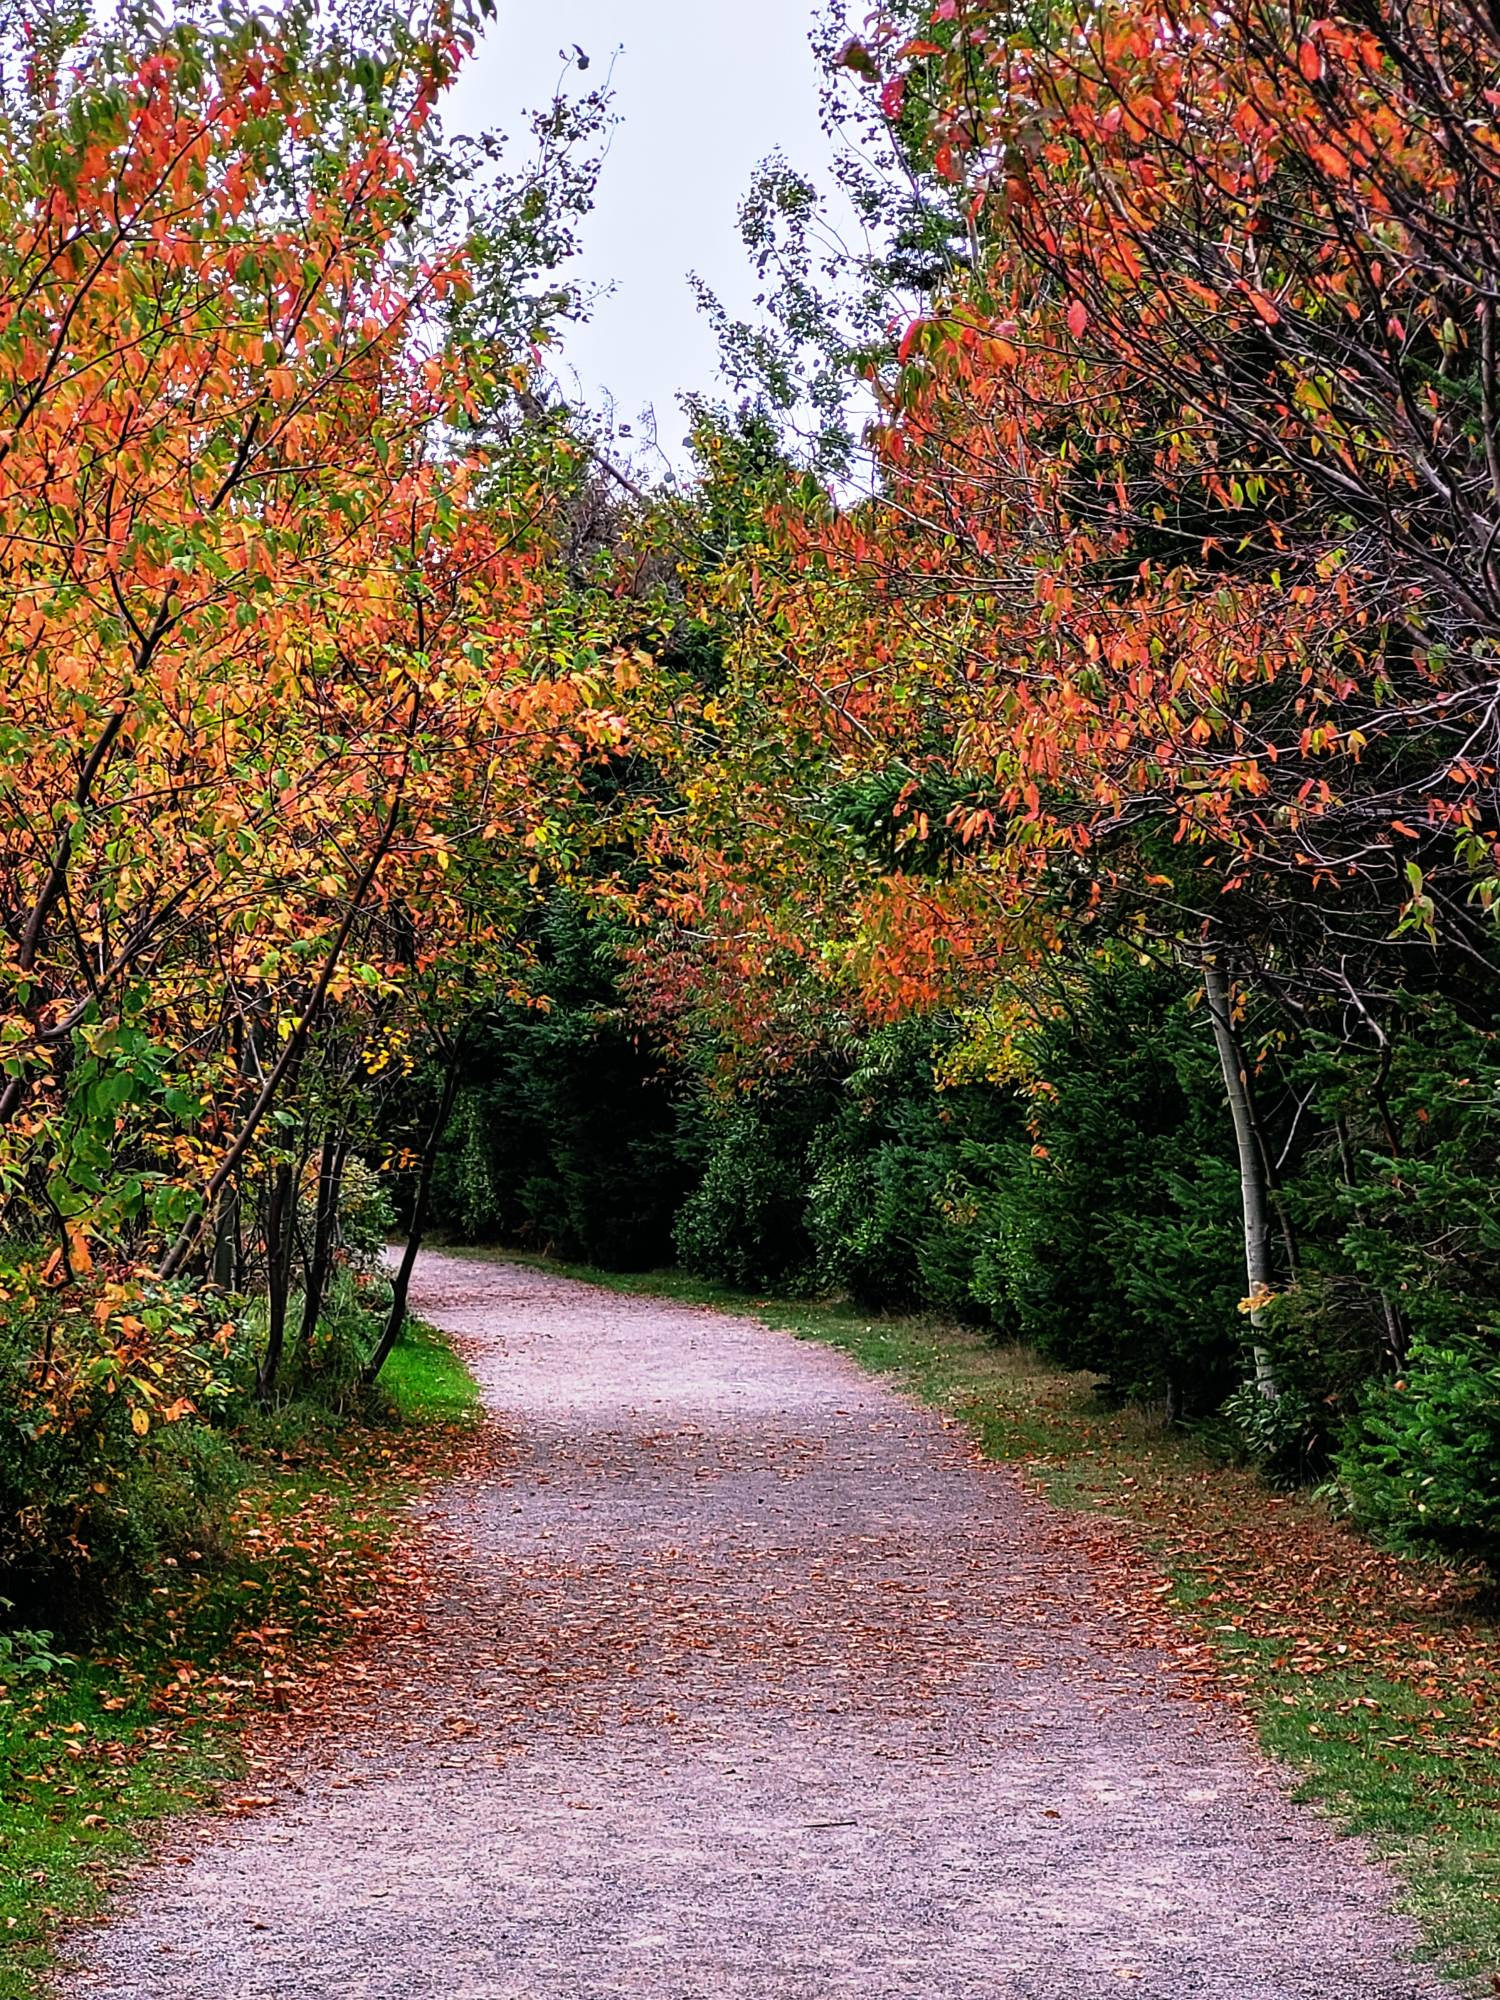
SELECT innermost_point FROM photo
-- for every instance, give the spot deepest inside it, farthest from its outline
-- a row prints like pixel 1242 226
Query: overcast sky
pixel 704 89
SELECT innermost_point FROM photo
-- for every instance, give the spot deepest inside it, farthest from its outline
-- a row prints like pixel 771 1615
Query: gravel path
pixel 743 1680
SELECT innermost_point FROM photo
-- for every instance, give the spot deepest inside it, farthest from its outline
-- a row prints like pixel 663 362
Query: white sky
pixel 705 89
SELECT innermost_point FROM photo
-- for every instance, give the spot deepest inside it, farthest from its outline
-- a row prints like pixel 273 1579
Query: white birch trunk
pixel 1253 1194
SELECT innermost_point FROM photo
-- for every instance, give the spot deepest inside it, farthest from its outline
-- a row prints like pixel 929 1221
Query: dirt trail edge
pixel 743 1680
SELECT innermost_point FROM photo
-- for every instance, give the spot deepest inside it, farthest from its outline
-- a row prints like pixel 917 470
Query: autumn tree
pixel 290 716
pixel 1141 633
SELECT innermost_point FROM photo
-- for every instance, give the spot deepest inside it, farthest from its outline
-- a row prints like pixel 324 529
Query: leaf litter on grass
pixel 157 1718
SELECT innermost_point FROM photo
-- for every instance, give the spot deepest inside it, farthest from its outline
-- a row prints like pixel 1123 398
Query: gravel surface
pixel 742 1679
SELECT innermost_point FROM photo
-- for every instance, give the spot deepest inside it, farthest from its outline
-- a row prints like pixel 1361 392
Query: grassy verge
pixel 1377 1680
pixel 427 1382
pixel 149 1722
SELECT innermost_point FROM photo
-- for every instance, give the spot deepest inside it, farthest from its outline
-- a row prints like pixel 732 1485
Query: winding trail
pixel 743 1680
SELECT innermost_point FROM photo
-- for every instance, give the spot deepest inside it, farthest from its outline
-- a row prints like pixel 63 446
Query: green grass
pixel 1393 1735
pixel 148 1722
pixel 427 1382
pixel 82 1782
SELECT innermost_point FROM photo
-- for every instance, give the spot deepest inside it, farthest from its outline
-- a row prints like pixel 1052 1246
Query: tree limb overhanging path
pixel 745 1680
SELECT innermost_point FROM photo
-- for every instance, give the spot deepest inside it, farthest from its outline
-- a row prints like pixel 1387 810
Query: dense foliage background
pixel 1052 883
pixel 1086 1202
pixel 1009 836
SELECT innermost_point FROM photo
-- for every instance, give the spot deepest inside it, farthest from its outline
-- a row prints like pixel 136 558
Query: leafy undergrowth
pixel 149 1721
pixel 1376 1678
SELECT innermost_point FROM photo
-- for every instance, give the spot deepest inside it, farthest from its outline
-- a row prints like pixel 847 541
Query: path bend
pixel 743 1680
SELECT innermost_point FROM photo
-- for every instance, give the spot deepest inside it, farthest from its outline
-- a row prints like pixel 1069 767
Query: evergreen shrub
pixel 1421 1465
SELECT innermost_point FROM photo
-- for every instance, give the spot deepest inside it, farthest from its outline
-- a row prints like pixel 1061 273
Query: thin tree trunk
pixel 291 1054
pixel 1253 1201
pixel 278 1274
pixel 56 882
pixel 241 1256
pixel 1269 1174
pixel 397 1317
pixel 226 1230
pixel 319 1264
pixel 1395 1331
pixel 16 1088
